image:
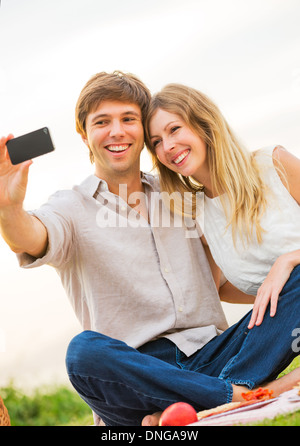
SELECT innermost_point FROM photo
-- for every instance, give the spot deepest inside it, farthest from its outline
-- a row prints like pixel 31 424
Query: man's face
pixel 115 135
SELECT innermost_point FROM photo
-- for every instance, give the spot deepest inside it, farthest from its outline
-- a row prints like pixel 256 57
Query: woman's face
pixel 177 146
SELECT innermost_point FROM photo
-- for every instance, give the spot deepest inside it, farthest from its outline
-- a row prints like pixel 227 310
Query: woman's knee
pixel 292 286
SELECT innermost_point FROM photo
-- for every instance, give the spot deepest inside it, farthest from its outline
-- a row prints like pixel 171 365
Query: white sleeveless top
pixel 247 267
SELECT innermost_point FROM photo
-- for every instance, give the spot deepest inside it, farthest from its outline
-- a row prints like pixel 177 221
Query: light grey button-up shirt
pixel 126 278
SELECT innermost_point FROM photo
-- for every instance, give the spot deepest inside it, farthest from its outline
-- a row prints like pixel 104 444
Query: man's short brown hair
pixel 116 86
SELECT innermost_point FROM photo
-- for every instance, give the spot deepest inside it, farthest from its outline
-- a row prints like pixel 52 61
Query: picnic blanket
pixel 285 403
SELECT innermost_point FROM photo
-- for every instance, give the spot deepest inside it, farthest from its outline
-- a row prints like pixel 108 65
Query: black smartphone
pixel 30 146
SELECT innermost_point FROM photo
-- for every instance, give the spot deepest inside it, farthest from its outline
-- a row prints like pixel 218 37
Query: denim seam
pixel 229 391
pixel 226 371
pixel 178 361
pixel 241 382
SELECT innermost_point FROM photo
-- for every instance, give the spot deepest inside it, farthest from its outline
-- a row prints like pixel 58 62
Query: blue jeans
pixel 122 384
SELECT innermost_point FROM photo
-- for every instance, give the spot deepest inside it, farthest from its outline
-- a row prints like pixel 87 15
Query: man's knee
pixel 84 350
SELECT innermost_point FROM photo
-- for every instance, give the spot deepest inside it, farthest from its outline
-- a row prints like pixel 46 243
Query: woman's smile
pixel 181 157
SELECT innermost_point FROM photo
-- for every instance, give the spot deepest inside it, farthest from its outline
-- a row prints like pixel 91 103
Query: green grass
pixel 55 406
pixel 61 406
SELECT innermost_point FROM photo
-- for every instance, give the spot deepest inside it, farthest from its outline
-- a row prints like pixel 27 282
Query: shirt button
pixel 123 208
pixel 167 270
pixel 180 309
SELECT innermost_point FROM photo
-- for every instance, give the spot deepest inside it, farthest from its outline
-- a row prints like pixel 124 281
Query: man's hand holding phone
pixel 15 159
pixel 21 231
pixel 13 178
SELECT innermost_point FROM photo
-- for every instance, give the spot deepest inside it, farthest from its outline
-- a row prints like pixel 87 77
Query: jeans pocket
pixel 181 359
pixel 214 356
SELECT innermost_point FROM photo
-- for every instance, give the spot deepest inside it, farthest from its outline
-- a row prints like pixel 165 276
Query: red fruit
pixel 178 414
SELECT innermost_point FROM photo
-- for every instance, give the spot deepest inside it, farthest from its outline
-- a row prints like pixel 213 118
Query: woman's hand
pixel 272 286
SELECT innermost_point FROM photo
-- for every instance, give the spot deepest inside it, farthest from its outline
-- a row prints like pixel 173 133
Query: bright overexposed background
pixel 245 54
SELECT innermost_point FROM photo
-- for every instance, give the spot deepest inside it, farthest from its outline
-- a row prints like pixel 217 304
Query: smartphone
pixel 30 146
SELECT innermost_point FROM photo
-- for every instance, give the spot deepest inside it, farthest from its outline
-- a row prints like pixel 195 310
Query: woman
pixel 251 218
pixel 251 200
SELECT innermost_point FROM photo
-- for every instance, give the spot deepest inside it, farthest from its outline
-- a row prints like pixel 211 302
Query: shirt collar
pixel 90 185
pixel 93 184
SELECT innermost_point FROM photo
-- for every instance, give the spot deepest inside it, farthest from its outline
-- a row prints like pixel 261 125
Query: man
pixel 142 290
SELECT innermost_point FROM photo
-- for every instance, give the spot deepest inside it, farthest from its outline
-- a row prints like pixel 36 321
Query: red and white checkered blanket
pixel 287 402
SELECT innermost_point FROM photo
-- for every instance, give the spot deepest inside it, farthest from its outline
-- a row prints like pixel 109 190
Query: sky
pixel 244 54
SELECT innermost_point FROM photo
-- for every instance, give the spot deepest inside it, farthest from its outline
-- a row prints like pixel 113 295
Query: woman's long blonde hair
pixel 233 169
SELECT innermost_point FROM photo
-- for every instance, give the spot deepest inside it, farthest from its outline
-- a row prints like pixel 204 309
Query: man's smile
pixel 117 148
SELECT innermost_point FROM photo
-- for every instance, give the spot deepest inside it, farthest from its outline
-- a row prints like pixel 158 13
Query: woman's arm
pixel 272 286
pixel 288 168
pixel 227 292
